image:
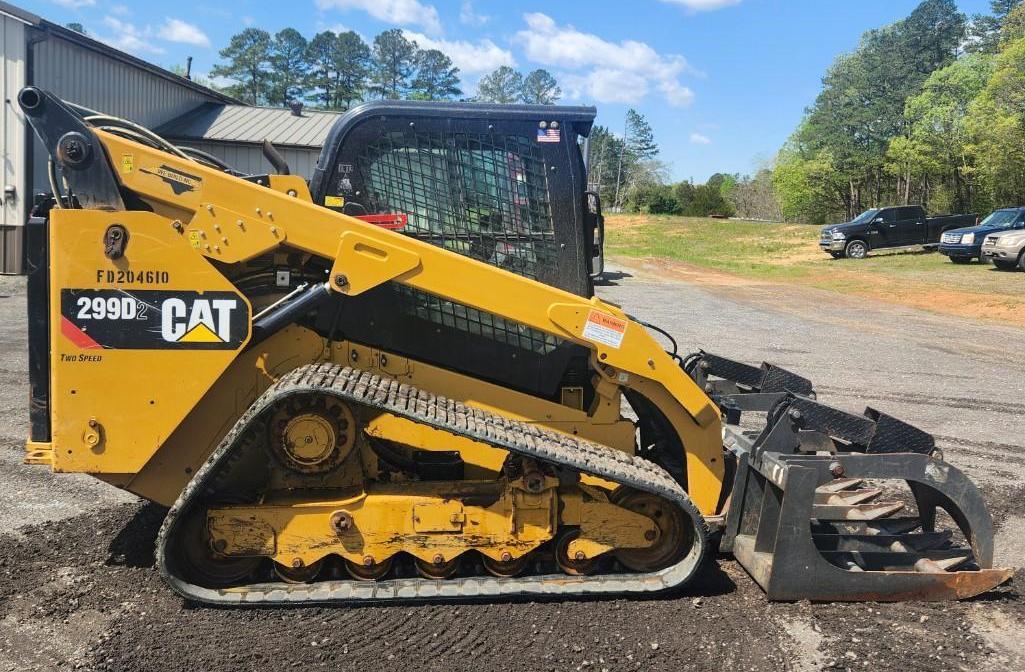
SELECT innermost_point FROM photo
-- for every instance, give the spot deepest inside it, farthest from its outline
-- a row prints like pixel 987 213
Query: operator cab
pixel 503 184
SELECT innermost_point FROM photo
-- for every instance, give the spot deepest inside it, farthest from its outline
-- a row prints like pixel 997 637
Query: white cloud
pixel 399 12
pixel 605 71
pixel 698 139
pixel 127 37
pixel 176 30
pixel 469 17
pixel 703 5
pixel 75 4
pixel 120 10
pixel 469 57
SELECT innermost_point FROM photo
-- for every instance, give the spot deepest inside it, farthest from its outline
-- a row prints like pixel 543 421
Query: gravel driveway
pixel 78 589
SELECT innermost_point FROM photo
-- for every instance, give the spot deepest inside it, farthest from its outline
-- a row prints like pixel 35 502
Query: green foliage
pixel 540 88
pixel 436 77
pixel 77 27
pixel 289 65
pixel 888 126
pixel 335 70
pixel 640 138
pixel 248 56
pixel 985 30
pixel 393 65
pixel 996 123
pixel 338 67
pixel 504 86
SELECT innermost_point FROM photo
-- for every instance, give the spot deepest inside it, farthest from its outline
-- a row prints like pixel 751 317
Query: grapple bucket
pixel 816 511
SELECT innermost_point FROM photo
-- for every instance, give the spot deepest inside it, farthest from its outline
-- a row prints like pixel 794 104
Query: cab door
pixel 884 229
pixel 911 226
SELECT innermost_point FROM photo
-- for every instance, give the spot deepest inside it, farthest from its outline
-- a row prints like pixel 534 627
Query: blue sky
pixel 723 82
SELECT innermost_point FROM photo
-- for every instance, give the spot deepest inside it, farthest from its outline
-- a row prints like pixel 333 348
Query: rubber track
pixel 355 386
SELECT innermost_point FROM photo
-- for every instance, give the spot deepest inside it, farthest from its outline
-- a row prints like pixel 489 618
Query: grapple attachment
pixel 831 506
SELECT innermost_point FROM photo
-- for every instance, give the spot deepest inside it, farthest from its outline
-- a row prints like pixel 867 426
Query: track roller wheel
pixel 437 570
pixel 302 574
pixel 505 569
pixel 210 568
pixel 676 534
pixel 369 570
pixel 572 566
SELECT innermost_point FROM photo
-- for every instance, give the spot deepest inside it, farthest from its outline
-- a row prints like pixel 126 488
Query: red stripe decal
pixel 77 336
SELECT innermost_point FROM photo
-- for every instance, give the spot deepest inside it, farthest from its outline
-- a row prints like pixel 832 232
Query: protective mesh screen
pixel 484 196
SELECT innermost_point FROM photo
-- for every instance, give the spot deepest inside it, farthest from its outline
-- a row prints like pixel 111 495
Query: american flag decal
pixel 549 135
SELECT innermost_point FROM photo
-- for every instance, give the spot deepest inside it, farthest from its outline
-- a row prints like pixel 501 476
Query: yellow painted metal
pixel 427 519
pixel 424 519
pixel 112 408
pixel 170 465
pixel 623 352
pixel 482 461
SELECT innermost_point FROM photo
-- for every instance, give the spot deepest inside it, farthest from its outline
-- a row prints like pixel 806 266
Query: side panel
pixel 14 193
pixel 134 341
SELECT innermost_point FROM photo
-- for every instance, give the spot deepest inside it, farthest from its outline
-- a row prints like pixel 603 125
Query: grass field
pixel 789 253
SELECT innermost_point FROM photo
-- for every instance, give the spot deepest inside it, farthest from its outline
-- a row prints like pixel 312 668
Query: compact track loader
pixel 395 383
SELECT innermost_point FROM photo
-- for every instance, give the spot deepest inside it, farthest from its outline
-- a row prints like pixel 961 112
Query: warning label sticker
pixel 605 329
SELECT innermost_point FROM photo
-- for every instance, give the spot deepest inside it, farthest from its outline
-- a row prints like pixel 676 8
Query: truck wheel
pixel 961 260
pixel 1021 261
pixel 1005 265
pixel 856 249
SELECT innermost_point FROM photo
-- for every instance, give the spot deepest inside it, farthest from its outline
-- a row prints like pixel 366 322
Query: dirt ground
pixel 78 589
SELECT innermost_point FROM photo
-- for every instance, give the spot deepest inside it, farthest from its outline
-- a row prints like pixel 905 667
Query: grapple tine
pixel 856 511
pixel 847 497
pixel 839 485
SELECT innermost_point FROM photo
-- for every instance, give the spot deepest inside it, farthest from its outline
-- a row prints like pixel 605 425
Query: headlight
pixel 839 235
pixel 968 239
pixel 1007 242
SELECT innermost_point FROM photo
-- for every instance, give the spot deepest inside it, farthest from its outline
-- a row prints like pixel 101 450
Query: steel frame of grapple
pixel 777 531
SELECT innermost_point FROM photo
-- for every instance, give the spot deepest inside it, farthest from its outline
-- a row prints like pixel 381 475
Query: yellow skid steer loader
pixel 394 383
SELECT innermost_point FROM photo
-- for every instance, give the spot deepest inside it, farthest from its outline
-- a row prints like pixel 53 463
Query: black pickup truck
pixel 880 228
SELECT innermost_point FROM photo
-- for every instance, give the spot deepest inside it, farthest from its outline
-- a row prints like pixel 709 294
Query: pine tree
pixel 640 139
pixel 984 31
pixel 504 85
pixel 394 59
pixel 540 88
pixel 436 77
pixel 288 60
pixel 352 67
pixel 322 75
pixel 248 55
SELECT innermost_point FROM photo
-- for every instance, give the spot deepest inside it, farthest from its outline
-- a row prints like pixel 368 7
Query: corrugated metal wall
pixel 100 83
pixel 249 158
pixel 12 144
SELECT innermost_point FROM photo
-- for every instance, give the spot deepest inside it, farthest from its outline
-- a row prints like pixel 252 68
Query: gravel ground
pixel 78 589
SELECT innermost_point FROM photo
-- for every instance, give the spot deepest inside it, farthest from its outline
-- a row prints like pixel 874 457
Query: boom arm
pixel 229 220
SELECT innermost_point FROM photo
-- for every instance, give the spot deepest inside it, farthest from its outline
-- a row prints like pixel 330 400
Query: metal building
pixel 34 51
pixel 235 134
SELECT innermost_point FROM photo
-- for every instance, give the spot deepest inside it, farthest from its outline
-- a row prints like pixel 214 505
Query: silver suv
pixel 1005 250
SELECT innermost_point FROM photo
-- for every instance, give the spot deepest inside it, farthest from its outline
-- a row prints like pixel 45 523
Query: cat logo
pixel 204 321
pixel 154 319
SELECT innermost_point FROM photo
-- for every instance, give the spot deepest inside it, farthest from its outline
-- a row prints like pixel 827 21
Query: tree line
pixel 928 110
pixel 626 171
pixel 337 70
